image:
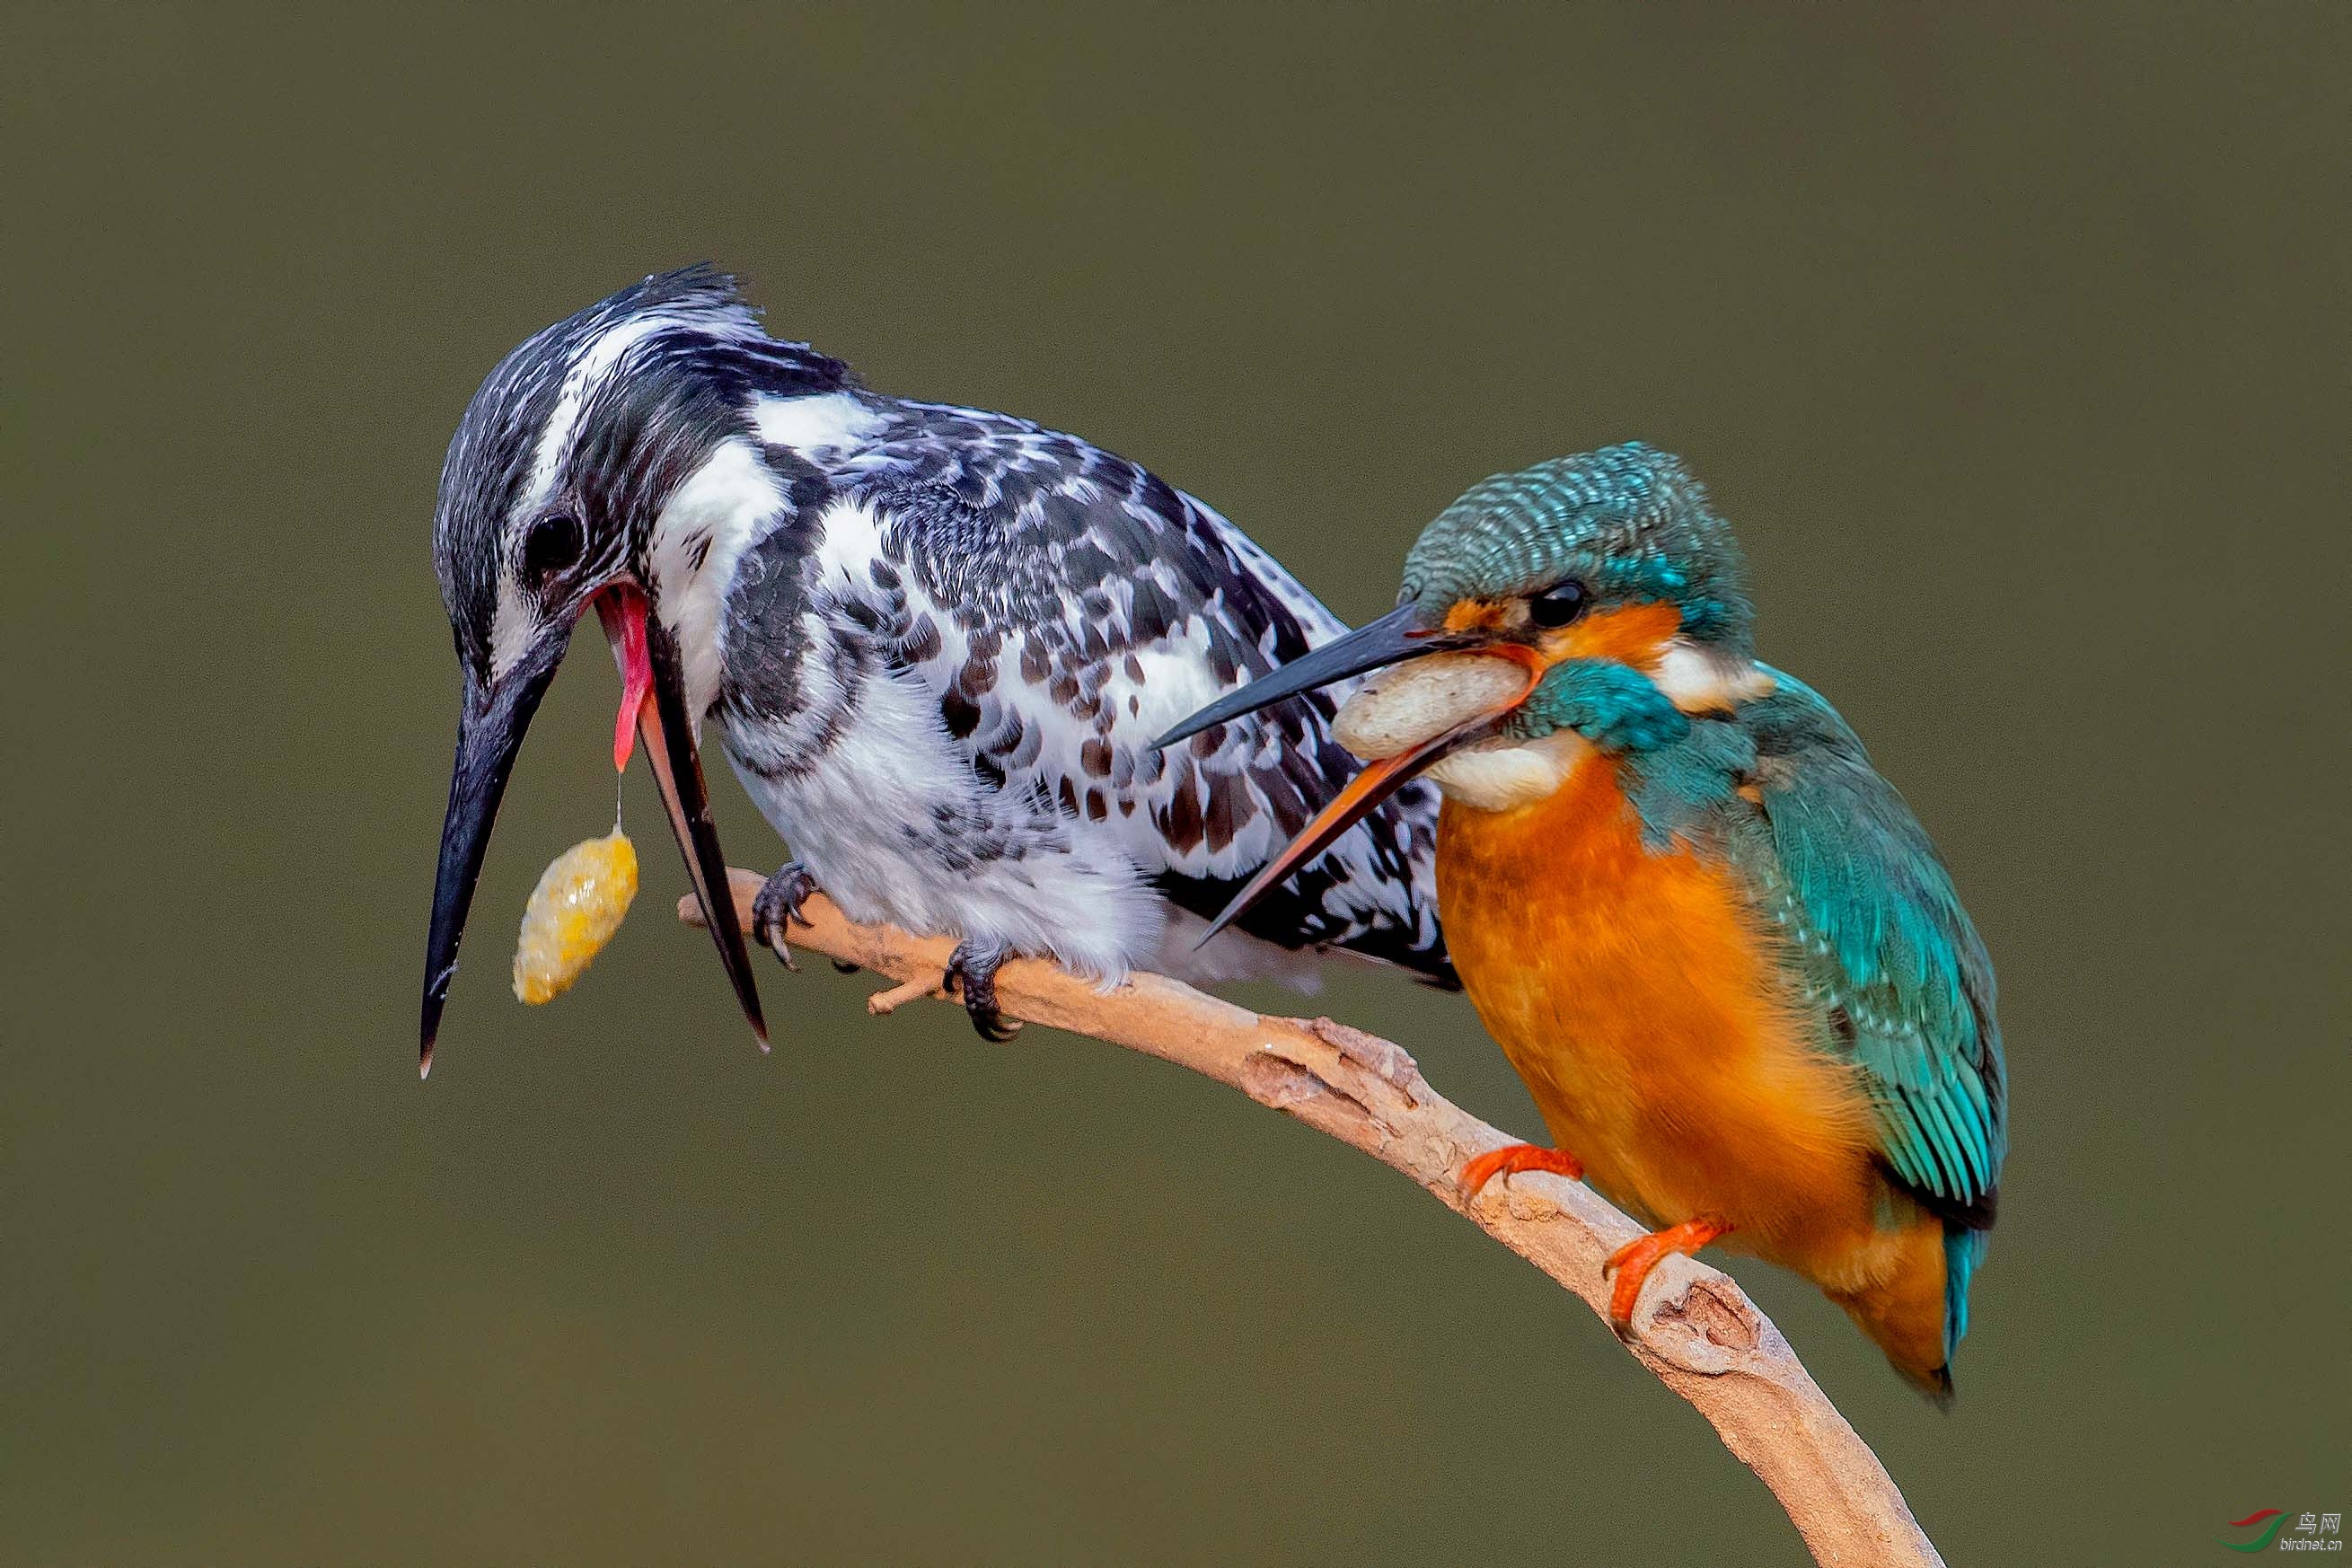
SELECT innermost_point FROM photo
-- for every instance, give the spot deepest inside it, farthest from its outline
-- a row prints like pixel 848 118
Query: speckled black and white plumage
pixel 939 641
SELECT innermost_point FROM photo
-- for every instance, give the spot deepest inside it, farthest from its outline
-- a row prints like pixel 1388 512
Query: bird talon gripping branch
pixel 779 904
pixel 1629 1267
pixel 972 972
pixel 1512 1158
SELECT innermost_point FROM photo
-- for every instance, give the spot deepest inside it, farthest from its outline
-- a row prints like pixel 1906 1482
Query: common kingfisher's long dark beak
pixel 490 730
pixel 1394 638
pixel 1397 636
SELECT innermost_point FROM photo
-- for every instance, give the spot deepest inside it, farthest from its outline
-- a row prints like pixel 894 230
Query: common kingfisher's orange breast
pixel 1635 995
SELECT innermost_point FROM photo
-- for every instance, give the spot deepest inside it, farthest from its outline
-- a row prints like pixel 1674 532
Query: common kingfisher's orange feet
pixel 1512 1158
pixel 1632 1263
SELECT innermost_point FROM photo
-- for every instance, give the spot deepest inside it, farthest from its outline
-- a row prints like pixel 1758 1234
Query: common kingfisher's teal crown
pixel 1628 522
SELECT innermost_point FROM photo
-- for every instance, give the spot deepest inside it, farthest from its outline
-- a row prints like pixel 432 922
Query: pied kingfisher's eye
pixel 552 545
pixel 1558 604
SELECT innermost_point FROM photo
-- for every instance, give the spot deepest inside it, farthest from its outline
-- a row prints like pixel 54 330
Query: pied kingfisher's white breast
pixel 942 653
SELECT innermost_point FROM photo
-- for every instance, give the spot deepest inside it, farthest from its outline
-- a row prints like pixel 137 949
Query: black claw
pixel 973 970
pixel 780 900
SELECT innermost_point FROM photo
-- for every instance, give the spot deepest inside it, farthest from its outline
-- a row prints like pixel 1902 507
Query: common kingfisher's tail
pixel 1964 1250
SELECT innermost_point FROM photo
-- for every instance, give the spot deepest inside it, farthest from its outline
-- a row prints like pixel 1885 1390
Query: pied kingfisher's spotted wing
pixel 1067 606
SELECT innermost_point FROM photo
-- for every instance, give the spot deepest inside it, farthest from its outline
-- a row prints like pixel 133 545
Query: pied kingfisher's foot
pixel 971 970
pixel 779 901
pixel 1632 1263
pixel 1512 1158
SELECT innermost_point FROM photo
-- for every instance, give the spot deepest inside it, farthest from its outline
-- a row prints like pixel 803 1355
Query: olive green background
pixel 2013 340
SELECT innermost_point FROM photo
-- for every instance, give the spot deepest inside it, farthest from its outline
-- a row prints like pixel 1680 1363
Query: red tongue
pixel 623 610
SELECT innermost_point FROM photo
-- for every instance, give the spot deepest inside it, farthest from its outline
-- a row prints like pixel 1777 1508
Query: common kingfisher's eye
pixel 1558 604
pixel 552 545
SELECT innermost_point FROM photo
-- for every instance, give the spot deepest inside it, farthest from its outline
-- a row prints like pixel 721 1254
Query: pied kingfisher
pixel 938 642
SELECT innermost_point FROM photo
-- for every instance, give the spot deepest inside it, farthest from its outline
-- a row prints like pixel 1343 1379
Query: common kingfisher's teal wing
pixel 1888 950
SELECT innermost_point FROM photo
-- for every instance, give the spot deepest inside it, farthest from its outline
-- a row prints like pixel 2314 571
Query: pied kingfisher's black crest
pixel 556 426
pixel 939 639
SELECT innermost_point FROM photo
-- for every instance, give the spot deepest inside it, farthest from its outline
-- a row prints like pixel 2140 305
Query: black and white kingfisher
pixel 938 642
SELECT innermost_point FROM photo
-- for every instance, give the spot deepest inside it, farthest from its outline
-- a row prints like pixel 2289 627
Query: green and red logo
pixel 2276 1516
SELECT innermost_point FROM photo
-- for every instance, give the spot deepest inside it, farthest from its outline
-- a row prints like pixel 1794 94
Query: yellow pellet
pixel 573 913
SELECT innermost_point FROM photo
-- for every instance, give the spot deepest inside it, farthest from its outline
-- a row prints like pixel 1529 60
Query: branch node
pixel 1524 1202
pixel 882 1003
pixel 1697 1319
pixel 1384 1059
pixel 1292 1086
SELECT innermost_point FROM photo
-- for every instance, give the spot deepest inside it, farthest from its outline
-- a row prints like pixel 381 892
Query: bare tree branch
pixel 1695 1330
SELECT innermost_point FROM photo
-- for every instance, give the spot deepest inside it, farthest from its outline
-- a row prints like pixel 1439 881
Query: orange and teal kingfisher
pixel 1716 944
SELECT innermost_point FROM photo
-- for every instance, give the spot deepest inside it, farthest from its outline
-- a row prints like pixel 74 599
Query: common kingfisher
pixel 1716 944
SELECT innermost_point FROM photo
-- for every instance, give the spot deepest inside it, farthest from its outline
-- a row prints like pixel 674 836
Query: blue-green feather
pixel 1874 930
pixel 1963 1249
pixel 1612 705
pixel 1878 933
pixel 1629 521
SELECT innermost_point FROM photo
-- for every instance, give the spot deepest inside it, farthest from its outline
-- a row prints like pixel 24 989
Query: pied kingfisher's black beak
pixel 491 729
pixel 1395 638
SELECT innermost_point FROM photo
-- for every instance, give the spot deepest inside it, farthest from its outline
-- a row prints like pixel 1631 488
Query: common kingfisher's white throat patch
pixel 1503 775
